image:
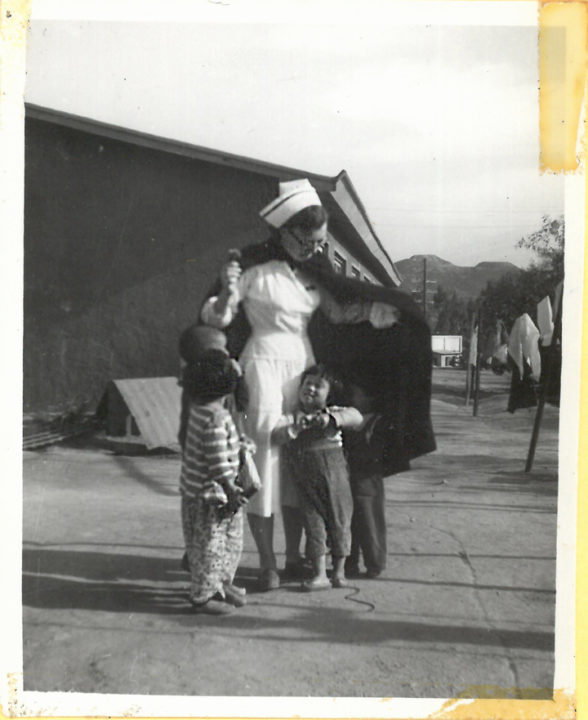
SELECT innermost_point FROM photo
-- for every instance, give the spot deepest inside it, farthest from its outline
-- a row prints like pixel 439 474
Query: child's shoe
pixel 339 582
pixel 233 597
pixel 316 584
pixel 212 607
pixel 236 589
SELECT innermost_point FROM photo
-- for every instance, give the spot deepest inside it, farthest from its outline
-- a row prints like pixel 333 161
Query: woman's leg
pixel 262 529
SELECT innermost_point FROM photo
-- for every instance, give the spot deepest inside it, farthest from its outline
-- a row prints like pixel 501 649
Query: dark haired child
pixel 313 457
pixel 212 520
pixel 364 446
pixel 194 341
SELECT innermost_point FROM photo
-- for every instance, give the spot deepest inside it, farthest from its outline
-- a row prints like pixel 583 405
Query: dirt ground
pixel 465 606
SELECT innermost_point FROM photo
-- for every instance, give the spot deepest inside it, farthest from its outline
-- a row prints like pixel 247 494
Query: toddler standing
pixel 212 520
pixel 364 445
pixel 313 457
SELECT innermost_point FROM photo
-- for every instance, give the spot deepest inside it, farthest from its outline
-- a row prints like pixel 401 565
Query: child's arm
pixel 286 429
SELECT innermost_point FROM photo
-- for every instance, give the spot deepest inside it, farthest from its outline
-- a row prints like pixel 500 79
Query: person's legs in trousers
pixel 372 527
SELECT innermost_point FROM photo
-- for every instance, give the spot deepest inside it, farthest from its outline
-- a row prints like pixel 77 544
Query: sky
pixel 436 124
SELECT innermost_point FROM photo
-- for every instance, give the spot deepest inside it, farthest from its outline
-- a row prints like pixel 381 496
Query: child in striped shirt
pixel 212 520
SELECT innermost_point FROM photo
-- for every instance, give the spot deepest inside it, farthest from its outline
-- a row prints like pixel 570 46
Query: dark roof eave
pixel 348 197
pixel 339 187
pixel 115 132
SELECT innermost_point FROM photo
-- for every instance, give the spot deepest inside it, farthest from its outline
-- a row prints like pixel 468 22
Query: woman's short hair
pixel 211 377
pixel 308 219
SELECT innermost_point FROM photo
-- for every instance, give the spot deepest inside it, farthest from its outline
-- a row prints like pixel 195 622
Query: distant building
pixel 124 233
pixel 446 349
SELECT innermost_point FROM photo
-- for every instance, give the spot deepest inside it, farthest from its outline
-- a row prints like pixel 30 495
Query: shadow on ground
pixel 100 581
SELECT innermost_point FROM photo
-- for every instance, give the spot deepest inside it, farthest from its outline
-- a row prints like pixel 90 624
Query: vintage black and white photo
pixel 294 418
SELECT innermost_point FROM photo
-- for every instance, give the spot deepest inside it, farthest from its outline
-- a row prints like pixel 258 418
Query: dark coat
pixel 397 360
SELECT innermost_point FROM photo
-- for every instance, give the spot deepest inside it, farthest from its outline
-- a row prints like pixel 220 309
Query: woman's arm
pixel 380 315
pixel 346 418
pixel 339 313
pixel 219 311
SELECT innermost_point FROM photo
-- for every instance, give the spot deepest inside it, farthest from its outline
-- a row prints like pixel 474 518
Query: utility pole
pixel 476 380
pixel 425 287
pixel 546 374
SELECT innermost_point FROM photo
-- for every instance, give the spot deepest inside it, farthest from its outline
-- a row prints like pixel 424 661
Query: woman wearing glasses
pixel 266 301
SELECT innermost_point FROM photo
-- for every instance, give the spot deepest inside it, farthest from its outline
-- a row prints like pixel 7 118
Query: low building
pixel 447 349
pixel 124 233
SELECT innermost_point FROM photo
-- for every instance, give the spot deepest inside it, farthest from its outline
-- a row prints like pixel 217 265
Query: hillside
pixel 467 282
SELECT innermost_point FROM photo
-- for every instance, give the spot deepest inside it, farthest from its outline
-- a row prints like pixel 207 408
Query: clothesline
pixel 524 340
pixel 534 354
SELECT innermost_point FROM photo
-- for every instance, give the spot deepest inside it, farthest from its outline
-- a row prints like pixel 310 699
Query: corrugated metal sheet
pixel 155 404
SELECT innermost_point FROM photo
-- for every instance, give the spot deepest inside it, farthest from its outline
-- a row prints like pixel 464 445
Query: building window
pixel 367 279
pixel 355 272
pixel 339 263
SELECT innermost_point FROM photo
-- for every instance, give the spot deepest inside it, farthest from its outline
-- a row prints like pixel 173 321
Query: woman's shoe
pixel 268 580
pixel 294 570
pixel 212 607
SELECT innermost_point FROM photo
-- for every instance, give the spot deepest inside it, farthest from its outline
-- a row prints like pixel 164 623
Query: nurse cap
pixel 294 195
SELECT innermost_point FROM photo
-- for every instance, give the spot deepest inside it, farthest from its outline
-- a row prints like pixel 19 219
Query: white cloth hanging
pixel 523 345
pixel 473 357
pixel 545 321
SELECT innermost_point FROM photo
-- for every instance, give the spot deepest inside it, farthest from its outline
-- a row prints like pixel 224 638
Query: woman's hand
pixel 229 275
pixel 383 315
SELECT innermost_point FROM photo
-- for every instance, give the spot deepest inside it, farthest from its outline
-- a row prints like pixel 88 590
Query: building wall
pixel 345 263
pixel 121 243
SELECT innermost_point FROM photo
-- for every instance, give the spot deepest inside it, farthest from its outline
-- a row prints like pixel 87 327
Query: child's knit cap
pixel 197 339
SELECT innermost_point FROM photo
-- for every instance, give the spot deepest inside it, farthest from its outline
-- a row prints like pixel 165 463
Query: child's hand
pixel 247 445
pixel 302 421
pixel 236 501
pixel 236 495
pixel 321 420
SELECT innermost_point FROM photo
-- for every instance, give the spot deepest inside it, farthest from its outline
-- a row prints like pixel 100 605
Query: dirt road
pixel 466 605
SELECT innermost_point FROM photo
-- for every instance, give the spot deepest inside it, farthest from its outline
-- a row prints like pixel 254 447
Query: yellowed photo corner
pixel 563 53
pixel 562 80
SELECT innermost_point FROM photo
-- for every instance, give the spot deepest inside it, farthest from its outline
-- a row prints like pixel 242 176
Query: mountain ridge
pixel 466 281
